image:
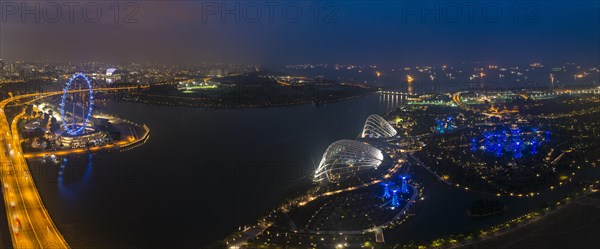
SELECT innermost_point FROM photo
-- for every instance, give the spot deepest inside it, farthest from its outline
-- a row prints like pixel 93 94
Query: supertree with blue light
pixel 386 189
pixel 76 125
pixel 498 150
pixel 487 143
pixel 449 123
pixel 404 185
pixel 518 151
pixel 473 144
pixel 395 199
pixel 444 125
pixel 514 141
pixel 439 127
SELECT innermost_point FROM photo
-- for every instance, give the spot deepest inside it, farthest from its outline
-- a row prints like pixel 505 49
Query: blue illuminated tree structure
pixel 515 141
pixel 386 189
pixel 444 125
pixel 439 127
pixel 518 149
pixel 395 200
pixel 473 144
pixel 498 150
pixel 404 185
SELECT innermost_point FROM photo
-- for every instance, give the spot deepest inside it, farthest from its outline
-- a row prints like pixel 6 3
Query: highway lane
pixel 45 230
pixel 18 213
pixel 31 225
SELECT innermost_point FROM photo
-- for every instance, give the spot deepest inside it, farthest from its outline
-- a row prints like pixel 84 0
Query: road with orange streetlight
pixel 30 224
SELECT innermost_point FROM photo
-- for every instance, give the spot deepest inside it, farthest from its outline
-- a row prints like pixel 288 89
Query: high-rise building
pixel 1 68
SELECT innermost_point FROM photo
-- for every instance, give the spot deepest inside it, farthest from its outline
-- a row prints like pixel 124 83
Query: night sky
pixel 362 32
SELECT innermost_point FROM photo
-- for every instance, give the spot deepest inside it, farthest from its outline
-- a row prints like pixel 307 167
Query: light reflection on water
pixel 70 189
pixel 147 196
pixel 236 164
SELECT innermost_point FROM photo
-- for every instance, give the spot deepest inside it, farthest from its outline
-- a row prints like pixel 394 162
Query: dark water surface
pixel 201 175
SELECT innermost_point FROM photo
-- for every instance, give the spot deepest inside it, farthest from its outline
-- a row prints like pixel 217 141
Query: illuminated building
pixel 32 125
pixel 377 127
pixel 90 136
pixel 112 75
pixel 344 158
pixel 110 71
pixel 1 68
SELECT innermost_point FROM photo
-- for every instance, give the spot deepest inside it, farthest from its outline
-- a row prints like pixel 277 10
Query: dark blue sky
pixel 553 31
pixel 364 32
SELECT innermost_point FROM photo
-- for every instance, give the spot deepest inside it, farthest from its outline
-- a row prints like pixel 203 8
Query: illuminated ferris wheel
pixel 77 104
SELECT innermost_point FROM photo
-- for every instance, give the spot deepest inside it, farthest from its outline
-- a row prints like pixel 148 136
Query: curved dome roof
pixel 376 127
pixel 344 158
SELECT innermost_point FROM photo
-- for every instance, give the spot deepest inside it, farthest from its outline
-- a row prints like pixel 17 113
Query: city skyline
pixel 378 124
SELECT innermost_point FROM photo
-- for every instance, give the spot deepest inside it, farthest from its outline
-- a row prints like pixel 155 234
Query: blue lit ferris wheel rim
pixel 86 119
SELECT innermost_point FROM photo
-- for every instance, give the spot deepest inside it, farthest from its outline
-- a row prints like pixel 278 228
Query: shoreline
pixel 243 107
